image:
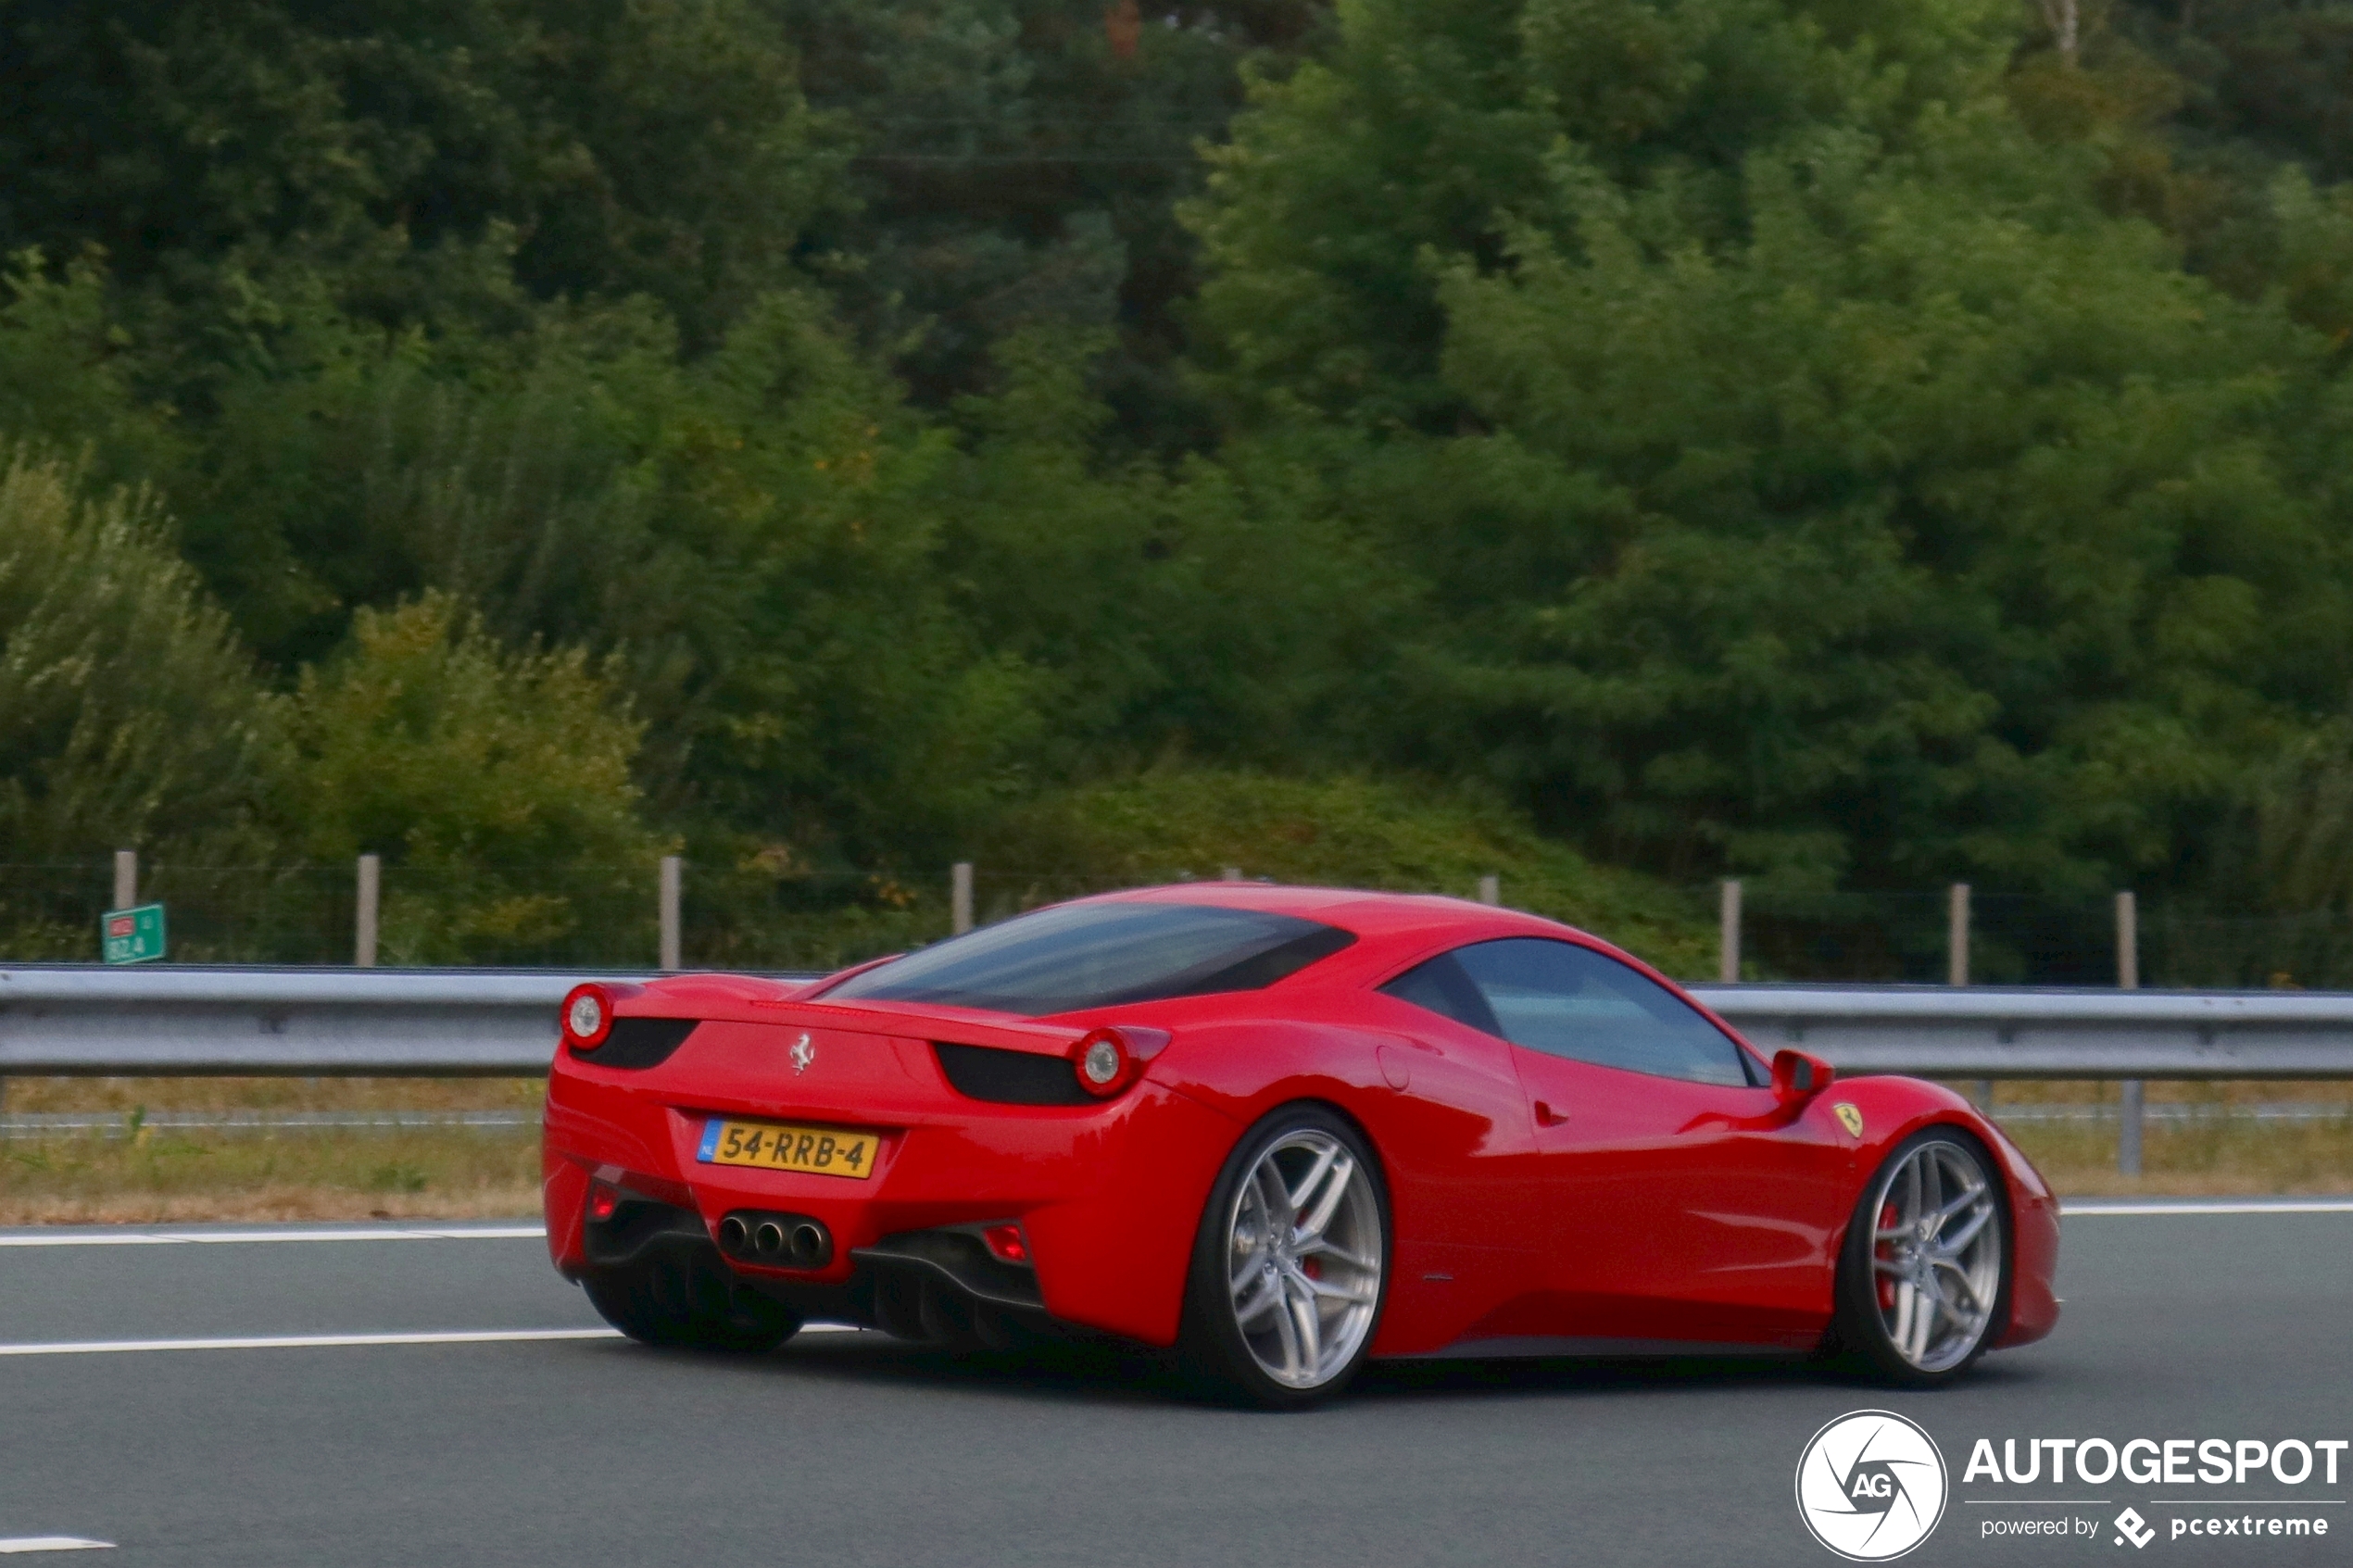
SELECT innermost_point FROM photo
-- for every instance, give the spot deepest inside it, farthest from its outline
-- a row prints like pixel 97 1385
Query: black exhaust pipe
pixel 785 1241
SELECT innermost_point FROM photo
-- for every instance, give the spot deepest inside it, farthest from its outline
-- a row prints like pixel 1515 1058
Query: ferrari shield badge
pixel 1848 1118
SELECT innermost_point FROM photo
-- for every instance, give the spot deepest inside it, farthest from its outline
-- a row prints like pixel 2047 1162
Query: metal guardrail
pixel 319 1023
pixel 84 1020
pixel 1990 1031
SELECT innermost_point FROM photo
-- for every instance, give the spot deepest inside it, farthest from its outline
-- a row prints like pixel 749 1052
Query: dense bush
pixel 1847 443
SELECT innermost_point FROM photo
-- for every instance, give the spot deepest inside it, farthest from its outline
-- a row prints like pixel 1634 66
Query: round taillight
pixel 587 1017
pixel 1103 1063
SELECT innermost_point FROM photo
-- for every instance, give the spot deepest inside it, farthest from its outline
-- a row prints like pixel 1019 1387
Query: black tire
pixel 672 1296
pixel 1212 1347
pixel 1860 1334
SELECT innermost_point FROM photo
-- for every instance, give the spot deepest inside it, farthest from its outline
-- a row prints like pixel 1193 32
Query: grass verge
pixel 151 1176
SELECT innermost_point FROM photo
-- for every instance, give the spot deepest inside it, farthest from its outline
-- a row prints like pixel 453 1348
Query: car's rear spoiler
pixel 747 999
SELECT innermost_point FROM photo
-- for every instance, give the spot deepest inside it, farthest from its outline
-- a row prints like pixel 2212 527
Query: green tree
pixel 129 715
pixel 1350 182
pixel 1801 475
pixel 240 162
pixel 480 773
pixel 1018 163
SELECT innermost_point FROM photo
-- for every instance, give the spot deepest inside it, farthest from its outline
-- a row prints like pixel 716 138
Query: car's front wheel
pixel 1924 1281
pixel 672 1296
pixel 1291 1262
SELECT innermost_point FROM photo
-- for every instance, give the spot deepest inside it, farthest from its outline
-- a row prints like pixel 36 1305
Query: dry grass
pixel 38 1095
pixel 2229 1160
pixel 192 1175
pixel 167 1176
pixel 160 1176
pixel 2236 1158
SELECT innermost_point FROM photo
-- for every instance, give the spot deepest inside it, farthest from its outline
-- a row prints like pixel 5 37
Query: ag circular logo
pixel 1870 1486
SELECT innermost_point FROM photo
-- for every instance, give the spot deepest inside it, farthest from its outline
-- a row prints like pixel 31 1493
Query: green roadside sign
pixel 132 935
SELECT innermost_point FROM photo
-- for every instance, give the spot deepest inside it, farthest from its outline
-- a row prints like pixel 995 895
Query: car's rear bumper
pixel 1108 1197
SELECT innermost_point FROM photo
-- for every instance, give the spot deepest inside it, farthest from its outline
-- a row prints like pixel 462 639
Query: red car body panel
pixel 1536 1203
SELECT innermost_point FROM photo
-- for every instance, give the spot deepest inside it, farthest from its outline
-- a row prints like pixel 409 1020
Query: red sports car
pixel 1282 1130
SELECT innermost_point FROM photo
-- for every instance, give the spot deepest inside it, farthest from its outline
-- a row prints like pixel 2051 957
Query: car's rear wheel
pixel 673 1296
pixel 1291 1262
pixel 1924 1281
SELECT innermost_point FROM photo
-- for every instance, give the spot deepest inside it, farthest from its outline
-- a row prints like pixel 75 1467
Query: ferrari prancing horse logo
pixel 803 1053
pixel 1848 1117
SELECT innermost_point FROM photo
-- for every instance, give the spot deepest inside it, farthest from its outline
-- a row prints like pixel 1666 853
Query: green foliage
pixel 429 743
pixel 1802 475
pixel 1018 163
pixel 1429 126
pixel 128 712
pixel 1844 442
pixel 2051 514
pixel 240 163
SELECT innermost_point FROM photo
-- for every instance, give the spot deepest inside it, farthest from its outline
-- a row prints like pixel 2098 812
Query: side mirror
pixel 1796 1074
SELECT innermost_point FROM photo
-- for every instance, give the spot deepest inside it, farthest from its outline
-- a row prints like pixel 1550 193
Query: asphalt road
pixel 844 1448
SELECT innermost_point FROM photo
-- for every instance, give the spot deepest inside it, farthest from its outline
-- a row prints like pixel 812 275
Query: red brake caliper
pixel 1886 1282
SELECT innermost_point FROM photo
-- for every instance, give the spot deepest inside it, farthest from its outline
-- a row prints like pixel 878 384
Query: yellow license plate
pixel 770 1145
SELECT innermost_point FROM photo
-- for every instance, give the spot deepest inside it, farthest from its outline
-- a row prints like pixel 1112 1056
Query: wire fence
pixel 755 917
pixel 571 917
pixel 2023 940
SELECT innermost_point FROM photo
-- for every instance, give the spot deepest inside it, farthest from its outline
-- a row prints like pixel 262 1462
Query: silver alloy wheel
pixel 1303 1258
pixel 1936 1255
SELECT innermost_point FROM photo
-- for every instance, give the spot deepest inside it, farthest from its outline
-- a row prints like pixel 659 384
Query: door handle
pixel 1547 1117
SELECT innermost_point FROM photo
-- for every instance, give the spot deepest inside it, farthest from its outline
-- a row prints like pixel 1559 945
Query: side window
pixel 1571 1001
pixel 1441 987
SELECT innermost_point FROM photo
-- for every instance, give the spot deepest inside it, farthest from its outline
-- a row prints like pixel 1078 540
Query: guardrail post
pixel 1728 932
pixel 670 913
pixel 960 897
pixel 363 943
pixel 126 878
pixel 1490 890
pixel 2128 978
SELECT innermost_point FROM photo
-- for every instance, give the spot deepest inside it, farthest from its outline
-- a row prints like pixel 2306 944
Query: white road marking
pixel 52 1543
pixel 305 1341
pixel 2304 1206
pixel 342 1341
pixel 173 1238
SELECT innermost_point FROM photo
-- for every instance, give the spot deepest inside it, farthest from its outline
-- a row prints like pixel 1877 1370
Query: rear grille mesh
pixel 1010 1077
pixel 641 1042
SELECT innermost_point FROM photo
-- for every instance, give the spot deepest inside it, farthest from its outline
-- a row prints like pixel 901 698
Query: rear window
pixel 1101 955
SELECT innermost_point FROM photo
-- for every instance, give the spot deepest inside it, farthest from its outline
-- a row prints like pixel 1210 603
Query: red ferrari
pixel 1282 1130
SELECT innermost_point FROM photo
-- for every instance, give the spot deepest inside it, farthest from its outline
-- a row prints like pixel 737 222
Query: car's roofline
pixel 1368 913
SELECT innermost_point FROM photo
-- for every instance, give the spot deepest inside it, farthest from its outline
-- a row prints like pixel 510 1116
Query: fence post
pixel 1957 963
pixel 669 913
pixel 1490 890
pixel 1728 932
pixel 960 897
pixel 371 893
pixel 2128 978
pixel 126 878
pixel 1956 936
